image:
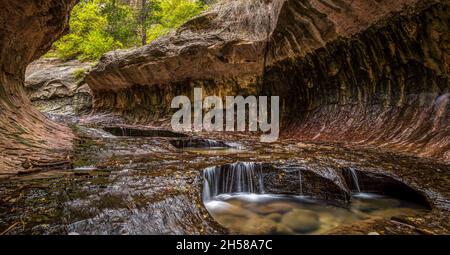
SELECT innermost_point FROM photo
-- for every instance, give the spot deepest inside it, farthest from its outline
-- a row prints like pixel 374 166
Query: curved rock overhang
pixel 387 86
pixel 370 72
pixel 28 139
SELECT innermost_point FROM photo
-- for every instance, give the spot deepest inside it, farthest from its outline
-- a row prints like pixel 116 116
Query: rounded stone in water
pixel 248 213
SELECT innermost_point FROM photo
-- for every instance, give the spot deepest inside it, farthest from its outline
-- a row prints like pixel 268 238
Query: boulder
pixel 301 221
pixel 57 87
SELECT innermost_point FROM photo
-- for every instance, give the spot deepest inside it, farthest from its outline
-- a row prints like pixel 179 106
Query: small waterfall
pixel 355 178
pixel 260 180
pixel 238 177
pixel 211 143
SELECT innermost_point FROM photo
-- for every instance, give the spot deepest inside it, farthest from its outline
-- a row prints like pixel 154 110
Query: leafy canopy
pixel 99 26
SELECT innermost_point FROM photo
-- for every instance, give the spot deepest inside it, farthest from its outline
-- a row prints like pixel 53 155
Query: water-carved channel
pixel 238 197
pixel 147 185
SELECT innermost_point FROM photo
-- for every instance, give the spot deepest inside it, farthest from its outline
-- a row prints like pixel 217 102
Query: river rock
pixel 275 217
pixel 28 30
pixel 284 230
pixel 301 220
pixel 259 226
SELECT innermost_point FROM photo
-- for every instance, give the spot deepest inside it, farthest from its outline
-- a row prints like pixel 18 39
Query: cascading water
pixel 210 183
pixel 355 179
pixel 213 144
pixel 234 178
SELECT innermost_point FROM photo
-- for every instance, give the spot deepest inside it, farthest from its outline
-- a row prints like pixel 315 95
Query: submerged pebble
pixel 301 221
pixel 287 215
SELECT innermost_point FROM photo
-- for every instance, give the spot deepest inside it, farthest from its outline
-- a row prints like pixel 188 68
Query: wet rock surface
pixel 355 85
pixel 301 220
pixel 142 132
pixel 57 87
pixel 145 185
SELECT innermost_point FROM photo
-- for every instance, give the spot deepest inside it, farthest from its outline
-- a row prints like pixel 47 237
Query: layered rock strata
pixel 387 86
pixel 27 138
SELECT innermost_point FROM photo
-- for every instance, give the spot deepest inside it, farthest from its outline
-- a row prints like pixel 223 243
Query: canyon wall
pixel 56 87
pixel 386 86
pixel 28 139
pixel 370 72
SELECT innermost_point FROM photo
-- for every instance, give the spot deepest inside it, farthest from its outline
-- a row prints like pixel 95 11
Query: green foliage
pixel 88 38
pixel 99 26
pixel 171 14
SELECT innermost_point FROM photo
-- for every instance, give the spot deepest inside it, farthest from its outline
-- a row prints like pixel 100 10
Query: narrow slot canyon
pixel 87 146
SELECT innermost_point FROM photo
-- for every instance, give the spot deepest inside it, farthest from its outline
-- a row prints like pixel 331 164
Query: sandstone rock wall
pixel 221 50
pixel 27 138
pixel 371 72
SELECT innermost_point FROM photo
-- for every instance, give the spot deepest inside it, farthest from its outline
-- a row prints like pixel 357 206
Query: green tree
pixel 173 13
pixel 121 22
pixel 88 38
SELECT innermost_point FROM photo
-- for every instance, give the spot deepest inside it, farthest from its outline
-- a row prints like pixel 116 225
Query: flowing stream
pixel 233 195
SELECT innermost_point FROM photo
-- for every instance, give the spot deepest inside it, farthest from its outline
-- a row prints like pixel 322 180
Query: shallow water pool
pixel 277 214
